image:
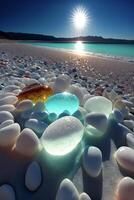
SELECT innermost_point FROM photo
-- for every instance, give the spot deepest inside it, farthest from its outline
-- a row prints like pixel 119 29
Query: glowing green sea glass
pixel 99 104
pixel 61 102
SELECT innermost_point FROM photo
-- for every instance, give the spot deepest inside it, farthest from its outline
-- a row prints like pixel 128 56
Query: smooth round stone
pixel 125 189
pixel 52 117
pixel 7 107
pixel 92 161
pixel 77 91
pixel 129 104
pixel 84 196
pixel 118 116
pixel 5 94
pixel 39 107
pixel 132 99
pixel 99 104
pixel 9 134
pixel 86 97
pixel 8 100
pixel 130 140
pixel 33 176
pixel 129 124
pixel 82 110
pixel 6 123
pixel 25 114
pixel 62 83
pixel 37 126
pixel 7 192
pixel 24 105
pixel 97 120
pixel 67 191
pixel 125 158
pixel 79 116
pixel 63 135
pixel 122 107
pixel 5 115
pixel 60 102
pixel 27 143
pixel 10 88
pixel 39 115
pixel 113 96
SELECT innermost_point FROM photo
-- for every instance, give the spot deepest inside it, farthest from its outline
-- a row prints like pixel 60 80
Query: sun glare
pixel 79 47
pixel 80 18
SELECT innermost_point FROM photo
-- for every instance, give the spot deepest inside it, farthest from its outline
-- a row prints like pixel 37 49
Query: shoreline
pixel 109 69
pixel 87 53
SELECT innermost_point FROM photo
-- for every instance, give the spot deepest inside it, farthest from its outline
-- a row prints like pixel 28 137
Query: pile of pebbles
pixel 72 123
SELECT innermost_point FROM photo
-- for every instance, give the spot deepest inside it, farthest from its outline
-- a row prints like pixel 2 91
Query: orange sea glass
pixel 36 93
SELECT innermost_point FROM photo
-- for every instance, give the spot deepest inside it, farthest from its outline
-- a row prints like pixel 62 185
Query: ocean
pixel 119 51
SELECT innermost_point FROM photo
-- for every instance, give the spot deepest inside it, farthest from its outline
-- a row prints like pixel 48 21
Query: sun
pixel 80 18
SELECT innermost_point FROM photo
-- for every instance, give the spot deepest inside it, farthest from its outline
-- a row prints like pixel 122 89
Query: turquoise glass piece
pixel 61 102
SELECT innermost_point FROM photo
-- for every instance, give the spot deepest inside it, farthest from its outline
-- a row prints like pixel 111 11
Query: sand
pixel 109 69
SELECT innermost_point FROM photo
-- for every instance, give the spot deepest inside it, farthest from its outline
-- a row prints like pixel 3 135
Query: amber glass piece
pixel 35 93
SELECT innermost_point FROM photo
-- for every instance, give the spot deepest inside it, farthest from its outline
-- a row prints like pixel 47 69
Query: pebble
pixel 125 189
pixel 118 116
pixel 125 158
pixel 7 192
pixel 63 135
pixel 132 99
pixel 97 120
pixel 129 124
pixel 130 140
pixel 84 196
pixel 77 91
pixel 7 107
pixel 8 100
pixel 122 107
pixel 99 104
pixel 24 105
pixel 36 125
pixel 92 161
pixel 60 102
pixel 27 143
pixel 33 176
pixel 5 115
pixel 86 97
pixel 11 88
pixel 9 134
pixel 67 191
pixel 6 123
pixel 62 83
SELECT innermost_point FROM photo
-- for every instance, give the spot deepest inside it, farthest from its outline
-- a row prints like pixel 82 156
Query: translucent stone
pixel 99 104
pixel 62 136
pixel 60 102
pixel 36 93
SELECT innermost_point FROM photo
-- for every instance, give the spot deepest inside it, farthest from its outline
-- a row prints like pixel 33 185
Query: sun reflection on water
pixel 79 46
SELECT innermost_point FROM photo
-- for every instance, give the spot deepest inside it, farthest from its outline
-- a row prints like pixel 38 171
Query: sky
pixel 106 18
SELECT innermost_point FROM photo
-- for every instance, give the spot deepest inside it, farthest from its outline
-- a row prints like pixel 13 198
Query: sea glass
pixel 36 93
pixel 61 102
pixel 99 104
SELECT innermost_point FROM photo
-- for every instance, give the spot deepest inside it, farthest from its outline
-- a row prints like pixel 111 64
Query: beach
pixel 109 69
pixel 93 74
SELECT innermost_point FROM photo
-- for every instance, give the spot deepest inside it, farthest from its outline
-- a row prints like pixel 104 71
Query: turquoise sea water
pixel 114 50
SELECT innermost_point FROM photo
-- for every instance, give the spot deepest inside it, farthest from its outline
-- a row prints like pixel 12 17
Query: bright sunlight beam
pixel 80 18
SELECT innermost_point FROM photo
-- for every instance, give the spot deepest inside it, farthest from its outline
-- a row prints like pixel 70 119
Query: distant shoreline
pixel 111 70
pixel 86 53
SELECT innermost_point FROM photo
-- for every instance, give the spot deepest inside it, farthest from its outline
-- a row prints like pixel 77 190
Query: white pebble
pixel 33 176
